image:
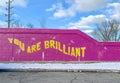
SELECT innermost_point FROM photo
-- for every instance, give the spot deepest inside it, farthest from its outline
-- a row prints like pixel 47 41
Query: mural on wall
pixel 49 44
pixel 54 45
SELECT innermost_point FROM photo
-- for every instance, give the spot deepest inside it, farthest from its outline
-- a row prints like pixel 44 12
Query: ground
pixel 58 77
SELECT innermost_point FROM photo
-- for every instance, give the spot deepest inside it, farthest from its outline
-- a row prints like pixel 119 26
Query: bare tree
pixel 17 24
pixel 43 22
pixel 107 31
pixel 30 25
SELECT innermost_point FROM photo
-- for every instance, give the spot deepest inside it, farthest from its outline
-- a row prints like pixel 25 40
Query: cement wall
pixel 54 45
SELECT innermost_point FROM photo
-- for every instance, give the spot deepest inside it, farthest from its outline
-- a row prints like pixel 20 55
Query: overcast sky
pixel 62 14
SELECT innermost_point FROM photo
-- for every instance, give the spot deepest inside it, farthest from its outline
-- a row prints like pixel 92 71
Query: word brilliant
pixel 50 44
pixel 72 51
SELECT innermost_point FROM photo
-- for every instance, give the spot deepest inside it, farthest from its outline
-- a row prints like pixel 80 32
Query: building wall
pixel 54 45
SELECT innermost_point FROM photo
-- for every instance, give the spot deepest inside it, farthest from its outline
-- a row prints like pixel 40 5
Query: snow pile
pixel 60 66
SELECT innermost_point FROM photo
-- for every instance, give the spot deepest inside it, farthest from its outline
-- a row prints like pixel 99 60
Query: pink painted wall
pixel 54 45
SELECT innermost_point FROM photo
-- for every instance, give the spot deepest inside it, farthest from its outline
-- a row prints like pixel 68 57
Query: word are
pixel 34 48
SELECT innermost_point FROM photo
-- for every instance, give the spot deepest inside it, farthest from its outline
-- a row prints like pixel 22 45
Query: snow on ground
pixel 60 66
